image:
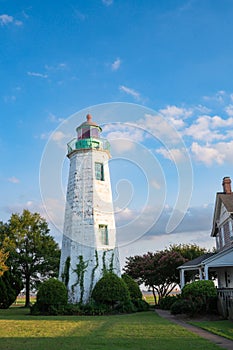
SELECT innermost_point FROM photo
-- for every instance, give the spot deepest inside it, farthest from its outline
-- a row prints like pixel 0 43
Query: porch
pixel 225 302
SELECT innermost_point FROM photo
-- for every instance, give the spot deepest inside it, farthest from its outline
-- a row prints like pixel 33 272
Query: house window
pixel 217 241
pixel 231 230
pixel 103 232
pixel 222 236
pixel 99 171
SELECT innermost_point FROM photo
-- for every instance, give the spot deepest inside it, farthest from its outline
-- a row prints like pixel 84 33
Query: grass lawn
pixel 223 328
pixel 146 330
pixel 149 298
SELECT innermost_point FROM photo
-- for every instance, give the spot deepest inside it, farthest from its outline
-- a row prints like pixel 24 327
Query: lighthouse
pixel 89 237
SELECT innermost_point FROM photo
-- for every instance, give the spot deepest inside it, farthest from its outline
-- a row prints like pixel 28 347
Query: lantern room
pixel 88 137
pixel 88 129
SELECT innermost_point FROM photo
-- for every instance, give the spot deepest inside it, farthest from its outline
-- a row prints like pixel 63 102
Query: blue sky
pixel 172 59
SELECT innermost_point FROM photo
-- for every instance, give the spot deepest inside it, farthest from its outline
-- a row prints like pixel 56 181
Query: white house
pixel 221 262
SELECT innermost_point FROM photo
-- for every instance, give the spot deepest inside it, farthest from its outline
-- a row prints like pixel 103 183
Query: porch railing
pixel 225 302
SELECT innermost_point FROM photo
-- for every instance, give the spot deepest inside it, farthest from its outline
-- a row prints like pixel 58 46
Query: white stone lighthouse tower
pixel 89 237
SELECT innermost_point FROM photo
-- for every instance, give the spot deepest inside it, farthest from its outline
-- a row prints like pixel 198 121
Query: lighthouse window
pixel 103 230
pixel 86 133
pixel 99 171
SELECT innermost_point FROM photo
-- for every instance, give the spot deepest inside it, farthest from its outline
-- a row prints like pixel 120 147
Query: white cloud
pixel 56 67
pixel 107 2
pixel 116 64
pixel 218 122
pixel 52 210
pixel 13 180
pixel 208 154
pixel 155 184
pixel 79 15
pixel 130 92
pixel 176 112
pixel 9 99
pixel 6 19
pixel 195 219
pixel 58 136
pixel 54 119
pixel 125 135
pixel 206 128
pixel 202 109
pixel 176 115
pixel 39 75
pixel 176 155
pixel 218 97
pixel 229 110
pixel 44 136
pixel 158 126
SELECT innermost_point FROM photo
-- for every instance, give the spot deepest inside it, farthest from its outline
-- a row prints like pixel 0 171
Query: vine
pixel 93 270
pixel 65 275
pixel 105 268
pixel 104 262
pixel 80 271
pixel 111 262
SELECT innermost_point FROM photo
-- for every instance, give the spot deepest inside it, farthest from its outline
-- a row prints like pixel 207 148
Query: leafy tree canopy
pixel 159 270
pixel 188 251
pixel 33 252
pixel 3 258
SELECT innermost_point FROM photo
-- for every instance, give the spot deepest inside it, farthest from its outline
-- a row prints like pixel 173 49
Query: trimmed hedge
pixel 182 306
pixel 199 289
pixel 133 287
pixel 203 294
pixel 198 297
pixel 52 298
pixel 167 302
pixel 110 289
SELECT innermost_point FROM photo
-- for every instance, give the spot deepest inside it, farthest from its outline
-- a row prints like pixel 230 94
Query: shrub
pixel 199 288
pixel 166 302
pixel 141 305
pixel 51 298
pixel 134 290
pixel 182 306
pixel 126 306
pixel 110 290
pixel 10 286
pixel 202 293
pixel 94 308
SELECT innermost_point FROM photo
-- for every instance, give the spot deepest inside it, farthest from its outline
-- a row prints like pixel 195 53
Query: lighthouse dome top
pixel 88 137
pixel 88 124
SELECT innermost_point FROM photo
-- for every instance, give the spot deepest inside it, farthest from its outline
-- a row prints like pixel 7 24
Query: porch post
pixel 200 273
pixel 182 279
pixel 206 272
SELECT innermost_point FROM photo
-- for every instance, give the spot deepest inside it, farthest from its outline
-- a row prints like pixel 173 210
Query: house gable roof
pixel 195 263
pixel 227 200
pixel 222 258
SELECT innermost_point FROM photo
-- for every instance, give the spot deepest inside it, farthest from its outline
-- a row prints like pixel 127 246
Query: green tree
pixel 3 258
pixel 189 252
pixel 11 281
pixel 33 251
pixel 157 270
pixel 10 286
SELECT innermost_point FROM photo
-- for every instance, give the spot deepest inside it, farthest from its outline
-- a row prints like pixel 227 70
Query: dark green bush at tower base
pixel 110 290
pixel 51 298
pixel 133 288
